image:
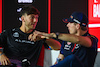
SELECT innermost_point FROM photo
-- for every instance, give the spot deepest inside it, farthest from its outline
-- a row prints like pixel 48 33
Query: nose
pixel 34 20
pixel 68 25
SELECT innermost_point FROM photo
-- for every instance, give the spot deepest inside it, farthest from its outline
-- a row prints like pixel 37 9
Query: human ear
pixel 22 18
pixel 78 26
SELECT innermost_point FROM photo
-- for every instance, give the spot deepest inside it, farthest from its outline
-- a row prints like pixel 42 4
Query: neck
pixel 26 30
pixel 80 33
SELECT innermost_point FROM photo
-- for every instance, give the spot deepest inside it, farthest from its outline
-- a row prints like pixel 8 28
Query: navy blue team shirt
pixel 86 55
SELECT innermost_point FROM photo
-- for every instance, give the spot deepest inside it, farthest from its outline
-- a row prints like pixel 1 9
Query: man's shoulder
pixel 94 37
pixel 8 30
pixel 15 29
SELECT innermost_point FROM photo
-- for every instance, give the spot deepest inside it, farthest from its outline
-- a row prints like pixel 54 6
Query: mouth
pixel 68 29
pixel 33 24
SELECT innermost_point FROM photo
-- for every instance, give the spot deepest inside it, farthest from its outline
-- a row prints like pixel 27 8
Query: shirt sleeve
pixel 3 37
pixel 94 42
pixel 62 46
pixel 45 44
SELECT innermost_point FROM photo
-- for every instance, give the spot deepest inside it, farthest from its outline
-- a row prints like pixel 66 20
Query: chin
pixel 70 33
pixel 32 28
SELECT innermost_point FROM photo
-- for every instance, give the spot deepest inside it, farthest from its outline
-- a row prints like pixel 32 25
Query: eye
pixel 37 17
pixel 32 17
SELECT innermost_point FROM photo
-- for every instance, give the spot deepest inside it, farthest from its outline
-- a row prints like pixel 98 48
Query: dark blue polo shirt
pixel 86 55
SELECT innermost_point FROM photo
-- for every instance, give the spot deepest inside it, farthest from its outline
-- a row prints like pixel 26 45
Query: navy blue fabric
pixel 70 61
pixel 86 55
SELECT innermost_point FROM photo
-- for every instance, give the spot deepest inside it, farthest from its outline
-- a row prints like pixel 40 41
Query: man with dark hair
pixel 79 48
pixel 20 50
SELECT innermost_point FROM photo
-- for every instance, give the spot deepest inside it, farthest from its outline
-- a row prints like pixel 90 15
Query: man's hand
pixel 35 37
pixel 4 60
pixel 54 44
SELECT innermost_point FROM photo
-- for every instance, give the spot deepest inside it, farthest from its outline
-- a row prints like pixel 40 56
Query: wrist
pixel 1 53
pixel 58 60
pixel 57 34
pixel 54 35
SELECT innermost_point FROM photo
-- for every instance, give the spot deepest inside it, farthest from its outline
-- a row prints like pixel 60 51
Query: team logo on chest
pixel 16 34
pixel 77 46
pixel 67 46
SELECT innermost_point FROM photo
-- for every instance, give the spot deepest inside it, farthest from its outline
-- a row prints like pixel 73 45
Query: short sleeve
pixel 62 46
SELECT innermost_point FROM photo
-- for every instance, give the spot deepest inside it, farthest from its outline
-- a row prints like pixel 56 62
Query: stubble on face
pixel 31 21
pixel 72 28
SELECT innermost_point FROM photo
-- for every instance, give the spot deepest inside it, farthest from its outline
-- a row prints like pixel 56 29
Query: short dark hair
pixel 29 9
pixel 84 28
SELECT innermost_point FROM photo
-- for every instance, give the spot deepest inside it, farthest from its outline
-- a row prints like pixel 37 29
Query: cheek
pixel 72 29
pixel 36 20
pixel 35 24
pixel 26 20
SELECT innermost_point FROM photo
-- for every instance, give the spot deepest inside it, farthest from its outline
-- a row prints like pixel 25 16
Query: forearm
pixel 66 37
pixel 54 44
pixel 69 37
pixel 82 40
